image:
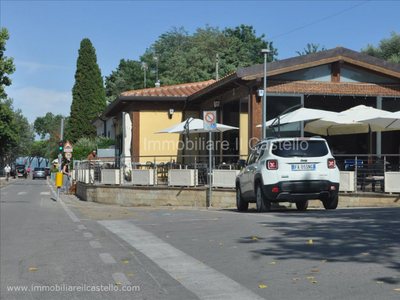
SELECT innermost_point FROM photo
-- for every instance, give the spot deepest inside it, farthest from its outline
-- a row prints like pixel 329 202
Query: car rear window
pixel 39 169
pixel 302 148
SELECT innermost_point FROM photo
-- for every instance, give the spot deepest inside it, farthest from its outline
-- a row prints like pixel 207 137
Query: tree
pixel 311 48
pixel 26 135
pixel 88 94
pixel 127 77
pixel 6 64
pixel 49 128
pixel 388 48
pixel 8 131
pixel 186 58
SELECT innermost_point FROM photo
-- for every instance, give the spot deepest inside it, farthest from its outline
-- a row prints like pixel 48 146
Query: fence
pixel 359 173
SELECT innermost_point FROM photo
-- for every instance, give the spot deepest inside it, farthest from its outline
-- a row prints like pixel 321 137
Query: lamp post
pixel 264 102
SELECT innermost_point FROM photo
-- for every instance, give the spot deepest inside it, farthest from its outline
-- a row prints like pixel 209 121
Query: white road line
pixel 45 193
pixel 121 278
pixel 107 258
pixel 201 279
pixel 69 212
pixel 95 244
pixel 82 227
pixel 5 193
pixel 22 193
pixel 87 234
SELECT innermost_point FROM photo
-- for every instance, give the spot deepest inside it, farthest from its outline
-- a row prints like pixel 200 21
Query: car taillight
pixel 272 164
pixel 34 173
pixel 331 163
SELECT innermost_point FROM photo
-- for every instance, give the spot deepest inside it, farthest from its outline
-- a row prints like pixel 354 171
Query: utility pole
pixel 157 81
pixel 60 156
pixel 144 67
pixel 264 102
pixel 216 66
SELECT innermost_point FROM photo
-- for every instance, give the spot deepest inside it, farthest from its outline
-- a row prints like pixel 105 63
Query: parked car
pixel 39 173
pixel 20 171
pixel 288 170
pixel 47 171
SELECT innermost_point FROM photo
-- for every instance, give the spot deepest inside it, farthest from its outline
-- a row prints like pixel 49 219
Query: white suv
pixel 288 170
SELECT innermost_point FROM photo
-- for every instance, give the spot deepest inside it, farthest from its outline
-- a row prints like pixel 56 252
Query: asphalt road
pixel 181 253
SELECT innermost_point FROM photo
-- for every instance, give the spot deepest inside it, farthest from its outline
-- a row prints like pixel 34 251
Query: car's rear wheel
pixel 263 204
pixel 241 204
pixel 302 205
pixel 331 203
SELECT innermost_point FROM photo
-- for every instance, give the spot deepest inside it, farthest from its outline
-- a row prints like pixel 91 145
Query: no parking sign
pixel 209 120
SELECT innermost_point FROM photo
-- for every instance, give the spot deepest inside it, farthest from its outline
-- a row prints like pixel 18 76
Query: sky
pixel 45 36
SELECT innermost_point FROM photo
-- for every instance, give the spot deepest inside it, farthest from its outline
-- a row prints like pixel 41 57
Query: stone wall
pixel 198 197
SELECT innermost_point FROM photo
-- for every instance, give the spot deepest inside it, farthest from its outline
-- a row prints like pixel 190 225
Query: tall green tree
pixel 310 48
pixel 7 66
pixel 388 48
pixel 88 94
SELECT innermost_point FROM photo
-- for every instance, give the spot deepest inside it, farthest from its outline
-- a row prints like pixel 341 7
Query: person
pixel 65 171
pixel 7 170
pixel 92 155
pixel 29 171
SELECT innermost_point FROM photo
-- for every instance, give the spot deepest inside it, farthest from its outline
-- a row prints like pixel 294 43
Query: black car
pixel 47 171
pixel 20 171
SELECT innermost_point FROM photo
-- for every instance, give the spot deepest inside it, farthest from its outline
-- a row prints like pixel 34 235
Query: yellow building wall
pixel 169 144
pixel 244 134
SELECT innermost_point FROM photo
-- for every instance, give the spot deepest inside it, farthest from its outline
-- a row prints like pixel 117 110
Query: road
pixel 78 250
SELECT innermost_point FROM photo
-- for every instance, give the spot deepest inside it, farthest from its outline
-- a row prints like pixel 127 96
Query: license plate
pixel 303 167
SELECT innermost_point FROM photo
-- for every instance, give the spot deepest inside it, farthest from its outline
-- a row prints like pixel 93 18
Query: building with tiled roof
pixel 334 80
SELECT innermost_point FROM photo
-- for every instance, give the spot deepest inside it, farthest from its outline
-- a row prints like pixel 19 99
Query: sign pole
pixel 59 157
pixel 210 168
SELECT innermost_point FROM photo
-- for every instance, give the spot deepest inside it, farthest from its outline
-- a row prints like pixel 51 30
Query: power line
pixel 320 20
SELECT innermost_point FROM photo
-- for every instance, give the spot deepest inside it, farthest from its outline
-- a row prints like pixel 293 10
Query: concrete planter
pixel 392 182
pixel 185 177
pixel 347 181
pixel 224 178
pixel 110 176
pixel 143 177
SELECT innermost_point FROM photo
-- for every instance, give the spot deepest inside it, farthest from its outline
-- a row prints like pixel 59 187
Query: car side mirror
pixel 241 163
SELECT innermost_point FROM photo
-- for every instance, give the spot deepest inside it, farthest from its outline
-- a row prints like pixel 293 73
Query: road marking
pixel 95 244
pixel 120 277
pixel 69 212
pixel 87 234
pixel 82 227
pixel 22 193
pixel 200 279
pixel 45 193
pixel 107 258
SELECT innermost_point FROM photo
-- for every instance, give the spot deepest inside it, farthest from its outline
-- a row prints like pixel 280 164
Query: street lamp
pixel 264 102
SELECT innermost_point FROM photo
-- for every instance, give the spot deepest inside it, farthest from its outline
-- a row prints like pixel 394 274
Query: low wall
pixel 221 198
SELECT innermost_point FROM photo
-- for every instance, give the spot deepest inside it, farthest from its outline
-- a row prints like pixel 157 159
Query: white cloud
pixel 33 66
pixel 35 102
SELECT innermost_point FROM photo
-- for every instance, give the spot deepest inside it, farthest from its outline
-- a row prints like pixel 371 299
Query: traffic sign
pixel 68 147
pixel 209 120
pixel 68 155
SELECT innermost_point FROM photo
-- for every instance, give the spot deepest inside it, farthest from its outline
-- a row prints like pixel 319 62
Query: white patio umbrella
pixel 348 122
pixel 388 121
pixel 194 126
pixel 301 114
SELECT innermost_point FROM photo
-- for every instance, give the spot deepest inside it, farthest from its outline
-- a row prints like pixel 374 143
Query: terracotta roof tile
pixel 179 90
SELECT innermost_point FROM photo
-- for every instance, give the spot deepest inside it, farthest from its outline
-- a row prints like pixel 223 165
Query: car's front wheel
pixel 302 205
pixel 331 203
pixel 241 204
pixel 263 204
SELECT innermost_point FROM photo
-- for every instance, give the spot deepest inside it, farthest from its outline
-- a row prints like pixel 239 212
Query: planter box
pixel 392 182
pixel 143 177
pixel 183 177
pixel 85 177
pixel 110 176
pixel 346 181
pixel 224 178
